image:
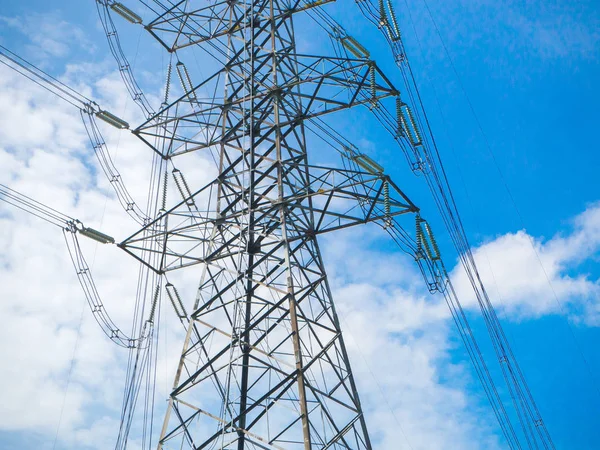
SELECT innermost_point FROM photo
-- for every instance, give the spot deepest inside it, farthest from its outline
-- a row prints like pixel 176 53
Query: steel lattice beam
pixel 264 364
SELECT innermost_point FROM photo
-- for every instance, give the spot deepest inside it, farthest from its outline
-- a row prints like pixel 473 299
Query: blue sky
pixel 529 70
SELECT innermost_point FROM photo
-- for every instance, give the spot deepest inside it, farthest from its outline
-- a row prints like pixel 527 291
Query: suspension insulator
pixel 368 164
pixel 427 249
pixel 176 301
pixel 126 13
pixel 185 80
pixel 419 235
pixel 400 126
pixel 435 255
pixel 407 121
pixel 164 190
pixel 111 119
pixel 154 303
pixel 415 128
pixel 97 236
pixel 373 82
pixel 382 15
pixel 168 84
pixel 354 47
pixel 426 241
pixel 395 29
pixel 386 203
pixel 183 187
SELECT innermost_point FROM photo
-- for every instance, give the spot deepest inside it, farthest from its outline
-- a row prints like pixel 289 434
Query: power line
pixel 510 196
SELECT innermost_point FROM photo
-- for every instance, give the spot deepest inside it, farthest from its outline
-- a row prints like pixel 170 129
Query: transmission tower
pixel 264 363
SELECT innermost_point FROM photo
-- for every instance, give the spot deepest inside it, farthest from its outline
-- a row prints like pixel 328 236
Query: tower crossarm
pixel 332 199
pixel 183 24
pixel 314 87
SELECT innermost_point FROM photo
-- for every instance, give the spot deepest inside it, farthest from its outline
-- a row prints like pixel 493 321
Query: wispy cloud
pixel 558 32
pixel 534 276
pixel 49 35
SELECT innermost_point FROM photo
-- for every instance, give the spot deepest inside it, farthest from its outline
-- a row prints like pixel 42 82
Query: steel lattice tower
pixel 264 363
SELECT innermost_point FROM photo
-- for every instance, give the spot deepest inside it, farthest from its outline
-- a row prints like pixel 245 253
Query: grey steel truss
pixel 264 365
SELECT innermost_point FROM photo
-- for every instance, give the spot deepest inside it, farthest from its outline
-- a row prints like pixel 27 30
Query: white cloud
pixel 399 342
pixel 50 35
pixel 530 276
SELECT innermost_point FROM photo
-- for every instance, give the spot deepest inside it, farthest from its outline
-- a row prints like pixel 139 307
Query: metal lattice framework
pixel 263 364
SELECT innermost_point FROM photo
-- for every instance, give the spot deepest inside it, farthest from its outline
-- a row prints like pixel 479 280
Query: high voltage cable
pixel 508 190
pixel 89 111
pixel 71 227
pixel 124 67
pixel 34 207
pixel 524 398
pixel 336 31
pixel 525 406
pixel 31 70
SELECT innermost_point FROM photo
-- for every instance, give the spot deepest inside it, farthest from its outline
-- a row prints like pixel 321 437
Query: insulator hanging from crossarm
pixel 395 30
pixel 176 301
pixel 425 249
pixel 400 125
pixel 426 242
pixel 436 251
pixel 185 79
pixel 387 222
pixel 406 127
pixel 154 303
pixel 168 83
pixel 183 187
pixel 382 14
pixel 419 235
pixel 111 119
pixel 368 164
pixel 390 25
pixel 164 191
pixel 406 121
pixel 427 256
pixel 372 76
